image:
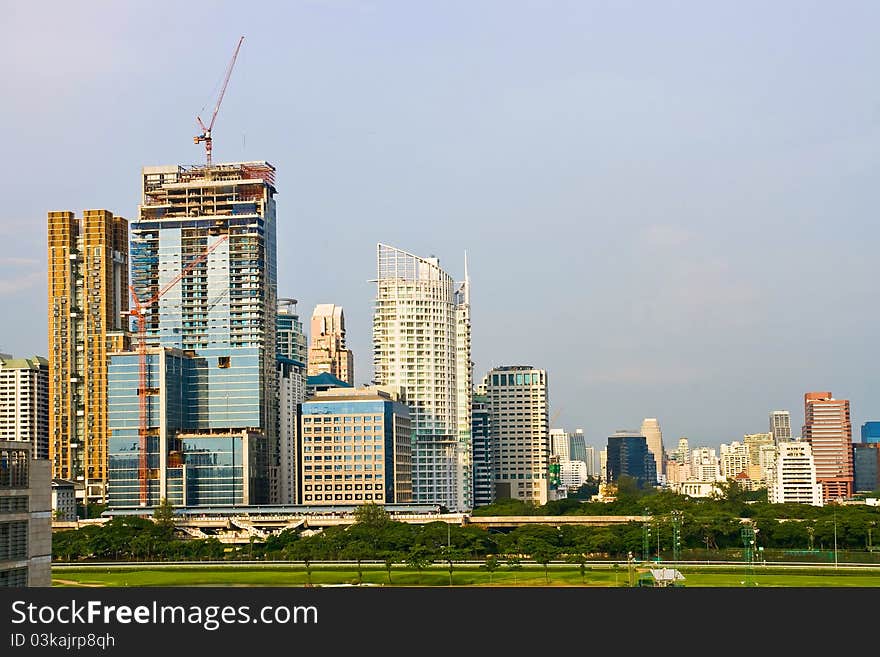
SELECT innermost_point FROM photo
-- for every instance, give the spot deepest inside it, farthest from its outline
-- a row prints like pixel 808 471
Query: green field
pixel 439 576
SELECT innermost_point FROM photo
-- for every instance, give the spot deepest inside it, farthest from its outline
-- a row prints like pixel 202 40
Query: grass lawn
pixel 436 576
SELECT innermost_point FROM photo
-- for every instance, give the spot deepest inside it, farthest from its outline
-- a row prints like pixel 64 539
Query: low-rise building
pixel 63 500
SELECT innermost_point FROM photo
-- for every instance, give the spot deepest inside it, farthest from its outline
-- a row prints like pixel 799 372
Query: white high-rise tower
pixel 421 343
pixel 651 431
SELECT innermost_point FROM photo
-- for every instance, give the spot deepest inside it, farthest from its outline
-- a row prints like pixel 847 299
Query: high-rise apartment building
pixel 464 390
pixel 754 442
pixel 25 517
pixel 24 402
pixel 88 294
pixel 560 444
pixel 291 354
pixel 780 426
pixel 483 451
pixel 705 465
pixel 327 351
pixel 734 460
pixel 418 346
pixel 793 476
pixel 205 239
pixel 651 431
pixel 628 456
pixel 356 448
pixel 519 403
pixel 828 429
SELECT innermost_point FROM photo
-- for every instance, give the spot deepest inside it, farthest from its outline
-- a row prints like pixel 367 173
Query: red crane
pixel 139 311
pixel 206 132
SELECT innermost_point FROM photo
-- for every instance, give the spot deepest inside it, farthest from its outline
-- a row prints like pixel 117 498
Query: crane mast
pixel 206 131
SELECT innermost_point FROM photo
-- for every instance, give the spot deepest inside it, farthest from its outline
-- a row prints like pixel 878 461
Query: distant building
pixel 322 382
pixel 290 364
pixel 734 460
pixel 754 442
pixel 355 448
pixel 704 465
pixel 828 429
pixel 25 517
pixel 24 402
pixel 572 474
pixel 519 402
pixel 628 456
pixel 794 476
pixel 780 426
pixel 327 351
pixel 559 444
pixel 651 431
pixel 871 432
pixel 866 467
pixel 683 451
pixel 484 454
pixel 696 488
pixel 63 500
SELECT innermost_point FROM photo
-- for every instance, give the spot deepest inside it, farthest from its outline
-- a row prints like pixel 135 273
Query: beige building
pixel 519 425
pixel 651 431
pixel 24 402
pixel 88 292
pixel 327 351
pixel 25 517
pixel 355 448
pixel 754 442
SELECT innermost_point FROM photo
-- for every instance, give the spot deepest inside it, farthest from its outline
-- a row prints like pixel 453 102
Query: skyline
pixel 681 199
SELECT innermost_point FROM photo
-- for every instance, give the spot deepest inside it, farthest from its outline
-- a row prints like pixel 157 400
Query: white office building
pixel 794 476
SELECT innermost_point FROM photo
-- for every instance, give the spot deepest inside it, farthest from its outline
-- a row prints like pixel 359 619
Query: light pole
pixel 835 539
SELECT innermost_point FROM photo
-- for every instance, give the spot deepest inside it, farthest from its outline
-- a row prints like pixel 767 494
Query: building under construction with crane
pixel 192 406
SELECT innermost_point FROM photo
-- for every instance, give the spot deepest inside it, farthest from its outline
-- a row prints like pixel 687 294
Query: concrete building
pixel 696 488
pixel 25 517
pixel 519 402
pixel 871 432
pixel 223 309
pixel 866 467
pixel 290 362
pixel 603 465
pixel 705 465
pixel 651 431
pixel 483 451
pixel 794 476
pixel 88 292
pixel 417 346
pixel 828 430
pixel 628 456
pixel 780 426
pixel 356 448
pixel 327 351
pixel 464 391
pixel 322 382
pixel 573 473
pixel 24 402
pixel 63 500
pixel 590 460
pixel 560 444
pixel 754 442
pixel 734 459
pixel 683 451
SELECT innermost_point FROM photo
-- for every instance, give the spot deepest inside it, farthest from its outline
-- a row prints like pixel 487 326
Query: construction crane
pixel 206 131
pixel 140 313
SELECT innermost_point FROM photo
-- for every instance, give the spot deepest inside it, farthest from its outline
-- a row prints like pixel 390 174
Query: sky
pixel 669 206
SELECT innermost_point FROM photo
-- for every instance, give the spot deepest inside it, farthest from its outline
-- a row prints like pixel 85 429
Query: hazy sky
pixel 670 206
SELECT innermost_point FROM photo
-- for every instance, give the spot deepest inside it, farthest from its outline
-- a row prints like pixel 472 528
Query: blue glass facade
pixel 871 432
pixel 629 456
pixel 866 467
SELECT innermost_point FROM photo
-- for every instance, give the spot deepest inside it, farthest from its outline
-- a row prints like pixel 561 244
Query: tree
pixel 390 559
pixel 303 550
pixel 163 516
pixel 357 551
pixel 491 565
pixel 514 564
pixel 372 515
pixel 581 560
pixel 418 558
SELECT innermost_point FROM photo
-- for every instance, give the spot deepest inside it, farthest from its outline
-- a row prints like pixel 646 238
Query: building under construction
pixel 204 285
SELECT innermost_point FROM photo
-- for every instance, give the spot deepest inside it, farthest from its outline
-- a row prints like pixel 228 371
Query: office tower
pixel 416 348
pixel 88 294
pixel 24 402
pixel 871 432
pixel 573 473
pixel 205 243
pixel 25 517
pixel 780 426
pixel 603 464
pixel 704 465
pixel 866 467
pixel 560 444
pixel 754 442
pixel 327 351
pixel 483 453
pixel 793 477
pixel 590 460
pixel 356 448
pixel 519 421
pixel 828 429
pixel 291 354
pixel 734 460
pixel 464 390
pixel 628 456
pixel 651 431
pixel 189 460
pixel 578 447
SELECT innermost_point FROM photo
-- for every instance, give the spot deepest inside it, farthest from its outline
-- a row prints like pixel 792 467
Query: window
pixel 223 362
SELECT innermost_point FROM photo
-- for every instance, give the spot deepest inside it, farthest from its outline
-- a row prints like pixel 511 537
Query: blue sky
pixel 670 206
